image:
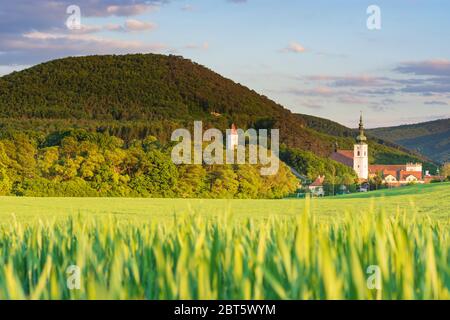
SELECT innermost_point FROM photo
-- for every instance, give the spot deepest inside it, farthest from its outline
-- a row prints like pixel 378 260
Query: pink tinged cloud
pixel 80 43
pixel 87 29
pixel 435 67
pixel 136 25
pixel 130 10
pixel 131 25
pixel 319 91
pixel 349 81
pixel 294 47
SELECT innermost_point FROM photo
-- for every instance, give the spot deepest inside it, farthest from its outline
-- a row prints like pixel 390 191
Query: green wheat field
pixel 229 249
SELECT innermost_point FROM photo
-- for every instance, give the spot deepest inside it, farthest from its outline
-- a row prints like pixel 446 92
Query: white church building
pixel 361 154
pixel 391 174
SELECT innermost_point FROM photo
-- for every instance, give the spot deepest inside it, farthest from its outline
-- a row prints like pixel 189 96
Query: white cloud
pixel 130 10
pixel 88 29
pixel 22 44
pixel 294 47
pixel 80 43
pixel 130 25
pixel 136 25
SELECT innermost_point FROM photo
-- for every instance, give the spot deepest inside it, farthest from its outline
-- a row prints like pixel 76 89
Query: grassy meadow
pixel 229 249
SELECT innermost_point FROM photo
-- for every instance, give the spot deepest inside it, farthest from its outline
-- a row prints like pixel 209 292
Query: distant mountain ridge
pixel 136 95
pixel 431 139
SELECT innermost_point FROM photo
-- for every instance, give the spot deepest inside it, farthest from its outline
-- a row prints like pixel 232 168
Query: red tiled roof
pixel 233 129
pixel 343 156
pixel 390 172
pixel 346 153
pixel 318 182
pixel 380 168
pixel 404 174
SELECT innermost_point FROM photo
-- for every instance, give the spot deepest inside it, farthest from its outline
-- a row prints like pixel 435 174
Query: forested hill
pixel 429 138
pixel 130 87
pixel 132 96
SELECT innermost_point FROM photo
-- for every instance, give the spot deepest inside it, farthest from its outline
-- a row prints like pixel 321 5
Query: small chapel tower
pixel 361 153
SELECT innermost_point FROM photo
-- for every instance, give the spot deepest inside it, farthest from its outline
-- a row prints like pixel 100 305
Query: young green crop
pixel 195 257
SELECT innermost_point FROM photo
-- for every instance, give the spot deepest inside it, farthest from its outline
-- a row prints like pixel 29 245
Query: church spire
pixel 361 138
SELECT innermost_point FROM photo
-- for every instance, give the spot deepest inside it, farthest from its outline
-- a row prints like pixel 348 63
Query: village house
pixel 316 188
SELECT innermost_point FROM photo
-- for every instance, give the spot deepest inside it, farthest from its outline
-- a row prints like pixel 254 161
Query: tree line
pixel 80 163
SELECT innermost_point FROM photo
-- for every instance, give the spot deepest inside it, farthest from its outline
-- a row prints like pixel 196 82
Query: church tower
pixel 361 153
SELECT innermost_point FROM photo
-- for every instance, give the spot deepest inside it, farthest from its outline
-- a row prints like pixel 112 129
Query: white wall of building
pixel 417 167
pixel 361 160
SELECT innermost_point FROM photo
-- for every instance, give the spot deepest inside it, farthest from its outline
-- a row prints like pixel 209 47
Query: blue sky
pixel 313 57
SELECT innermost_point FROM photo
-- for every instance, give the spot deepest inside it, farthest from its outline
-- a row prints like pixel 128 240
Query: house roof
pixel 318 182
pixel 390 173
pixel 404 174
pixel 380 168
pixel 343 156
pixel 233 129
